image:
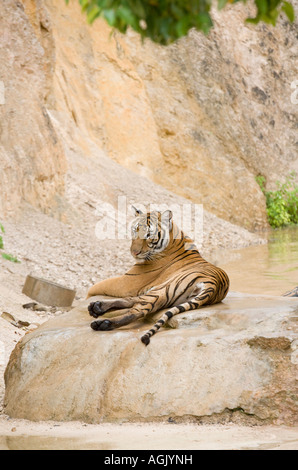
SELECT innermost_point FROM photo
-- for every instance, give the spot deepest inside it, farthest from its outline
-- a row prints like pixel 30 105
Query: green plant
pixel 282 204
pixel 6 255
pixel 164 21
pixel 1 238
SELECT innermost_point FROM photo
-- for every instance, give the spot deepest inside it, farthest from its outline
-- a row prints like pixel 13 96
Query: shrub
pixel 6 255
pixel 282 204
pixel 164 21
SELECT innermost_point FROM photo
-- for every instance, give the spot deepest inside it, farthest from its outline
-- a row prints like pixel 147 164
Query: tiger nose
pixel 135 251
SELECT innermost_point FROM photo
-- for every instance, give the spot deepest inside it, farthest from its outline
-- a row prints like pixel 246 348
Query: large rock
pixel 238 357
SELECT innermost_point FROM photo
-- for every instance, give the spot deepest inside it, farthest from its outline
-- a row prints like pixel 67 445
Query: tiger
pixel 169 273
pixel 291 293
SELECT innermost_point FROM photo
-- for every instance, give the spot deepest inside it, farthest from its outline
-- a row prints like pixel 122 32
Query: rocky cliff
pixel 32 161
pixel 202 117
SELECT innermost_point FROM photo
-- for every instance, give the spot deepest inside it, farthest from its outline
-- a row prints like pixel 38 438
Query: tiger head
pixel 150 233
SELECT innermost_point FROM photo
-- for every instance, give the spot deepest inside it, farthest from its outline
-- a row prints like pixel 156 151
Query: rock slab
pixel 48 293
pixel 236 358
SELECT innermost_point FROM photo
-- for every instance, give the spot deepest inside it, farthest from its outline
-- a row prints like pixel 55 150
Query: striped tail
pixel 292 293
pixel 190 305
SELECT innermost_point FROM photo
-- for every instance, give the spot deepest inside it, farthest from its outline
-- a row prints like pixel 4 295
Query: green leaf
pixel 84 4
pixel 177 11
pixel 10 258
pixel 93 13
pixel 255 20
pixel 262 6
pixel 165 28
pixel 128 17
pixel 110 16
pixel 289 11
pixel 138 8
pixel 204 22
pixel 183 26
pixel 106 4
pixel 1 239
pixel 273 15
pixel 261 180
pixel 221 4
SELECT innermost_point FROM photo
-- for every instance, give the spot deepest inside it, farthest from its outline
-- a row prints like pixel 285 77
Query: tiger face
pixel 150 233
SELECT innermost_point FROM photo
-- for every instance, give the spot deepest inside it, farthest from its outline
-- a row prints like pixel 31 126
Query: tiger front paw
pixel 95 309
pixel 102 325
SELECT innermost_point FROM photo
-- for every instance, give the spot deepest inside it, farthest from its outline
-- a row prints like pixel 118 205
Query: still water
pixel 270 269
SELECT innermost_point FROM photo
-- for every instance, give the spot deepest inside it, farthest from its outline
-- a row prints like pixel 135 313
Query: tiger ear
pixel 136 211
pixel 167 217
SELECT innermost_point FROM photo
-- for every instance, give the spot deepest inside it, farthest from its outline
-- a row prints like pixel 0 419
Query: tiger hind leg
pixel 196 302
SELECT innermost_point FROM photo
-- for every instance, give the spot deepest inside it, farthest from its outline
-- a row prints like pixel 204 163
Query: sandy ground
pixel 21 434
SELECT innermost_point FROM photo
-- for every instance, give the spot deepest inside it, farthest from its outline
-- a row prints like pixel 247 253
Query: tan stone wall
pixel 201 117
pixel 32 161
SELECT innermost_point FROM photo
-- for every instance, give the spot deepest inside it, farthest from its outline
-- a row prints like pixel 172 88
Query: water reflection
pixel 270 269
pixel 283 244
pixel 28 442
